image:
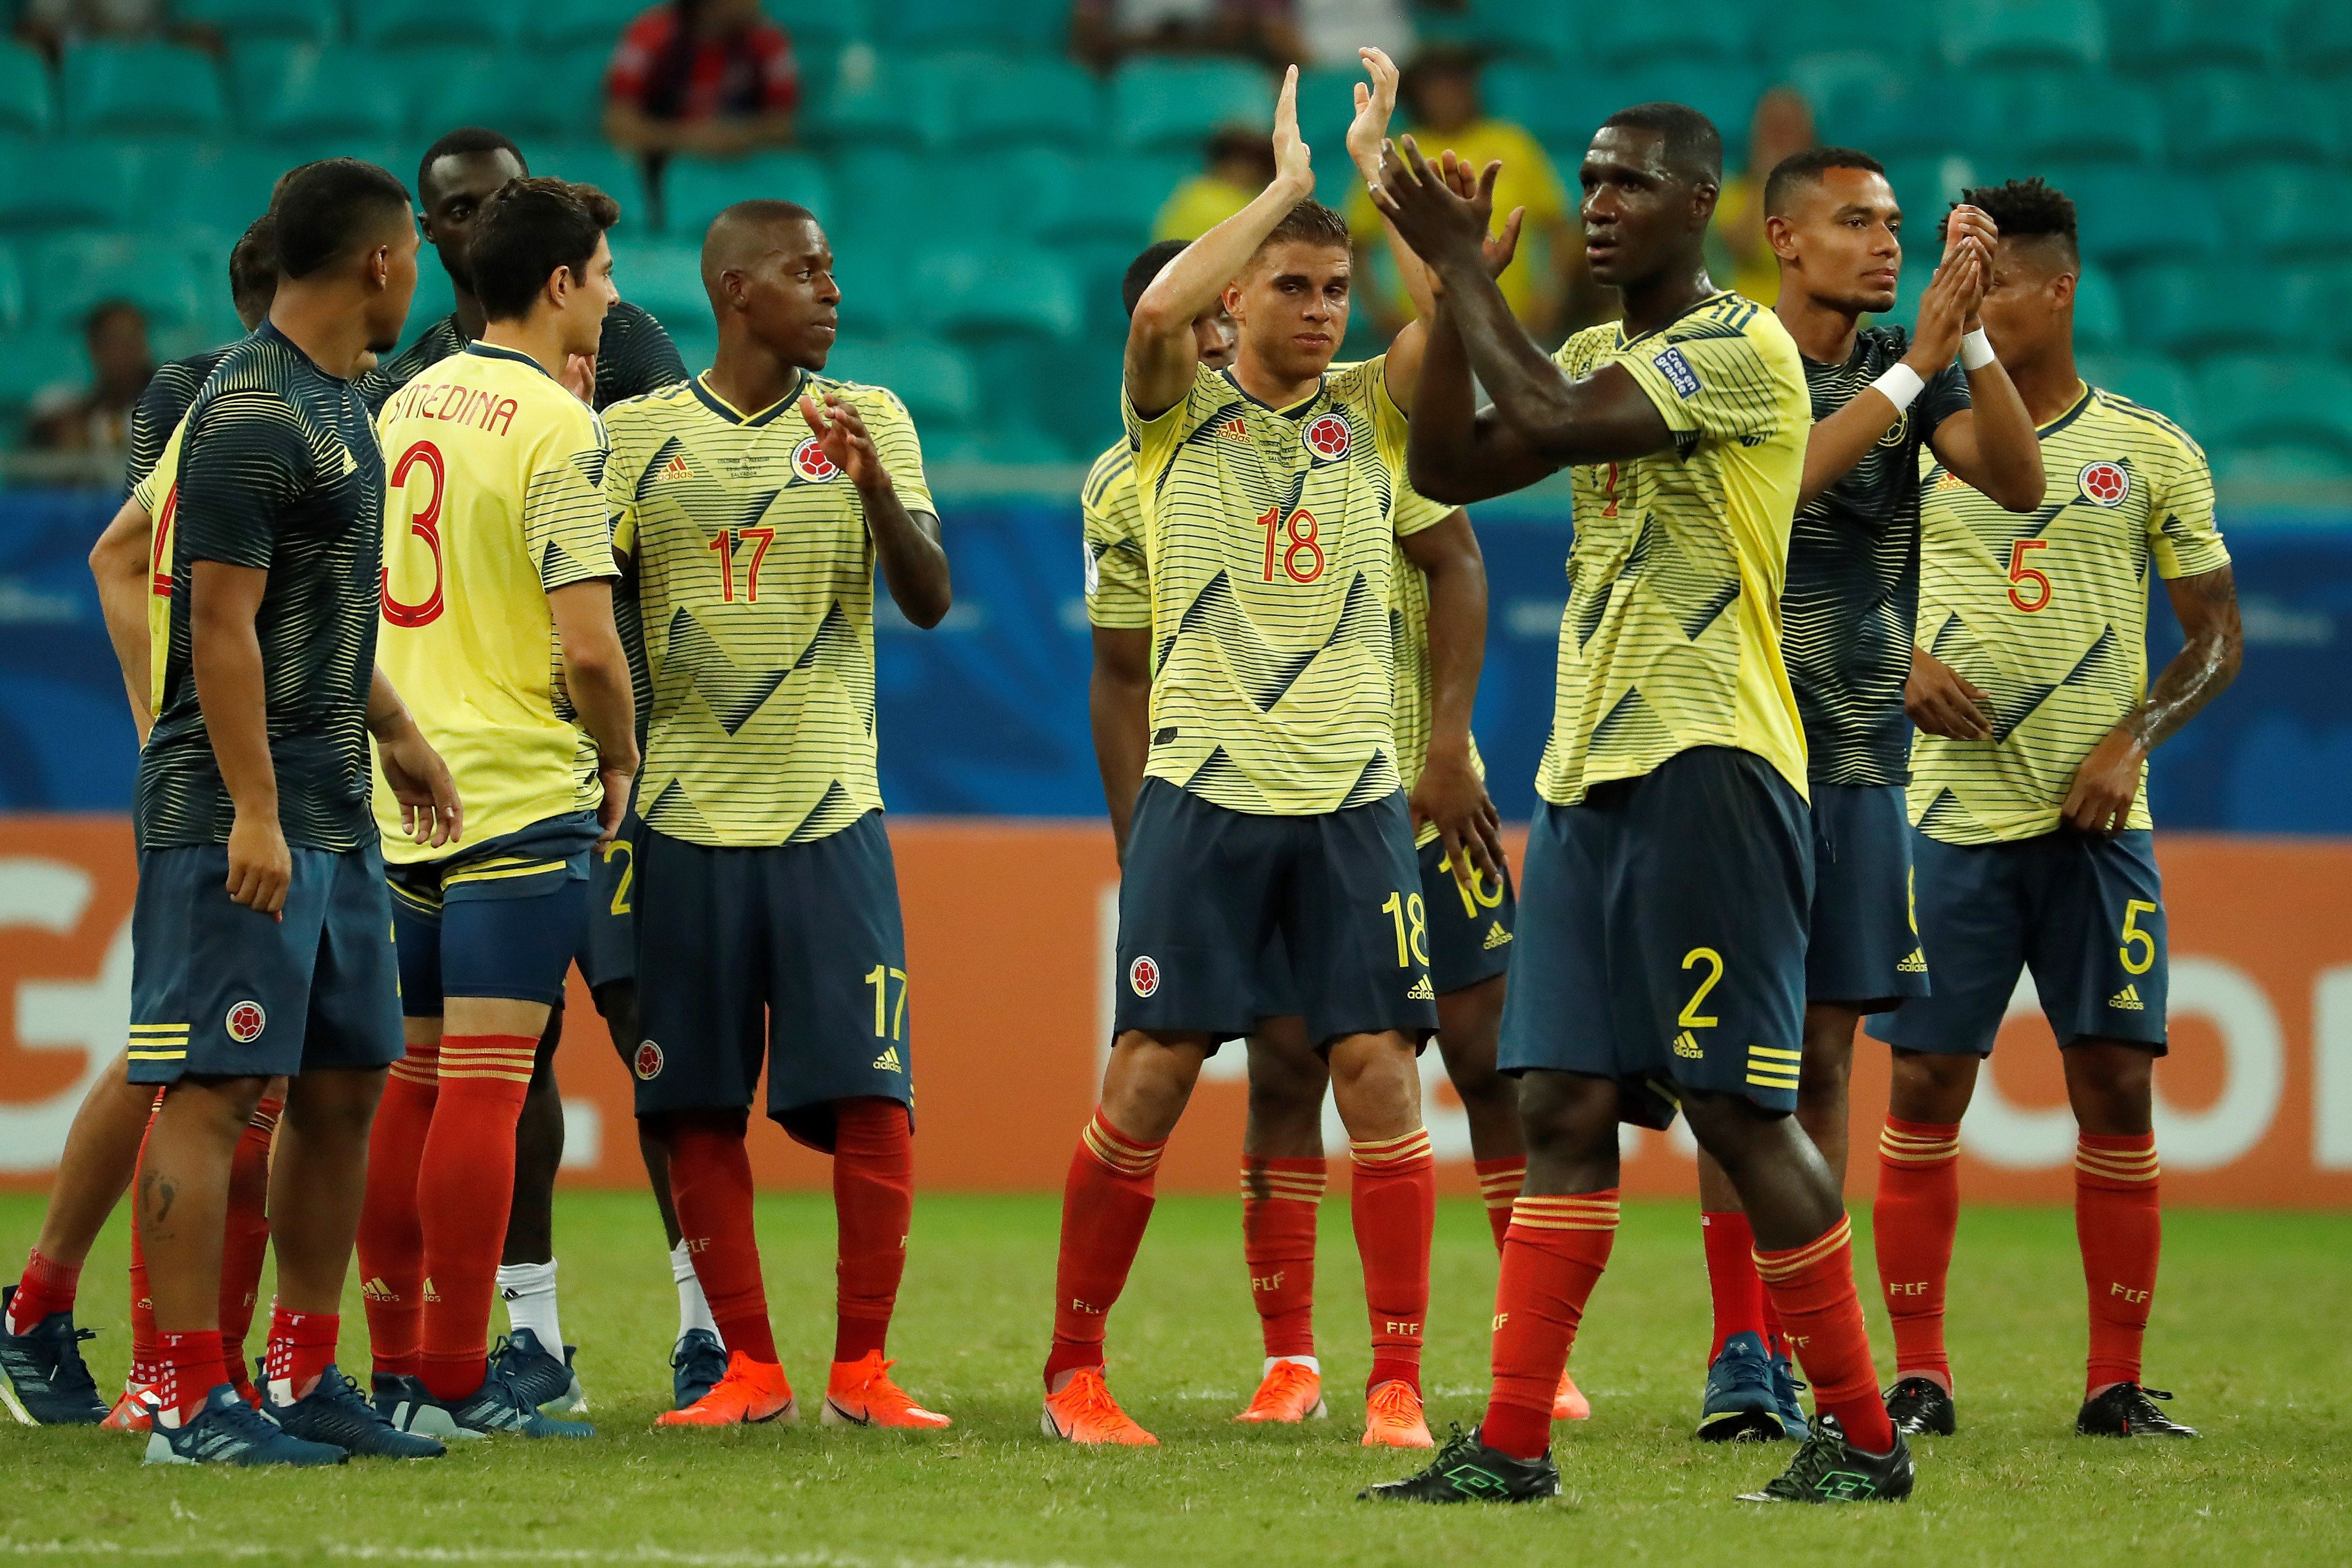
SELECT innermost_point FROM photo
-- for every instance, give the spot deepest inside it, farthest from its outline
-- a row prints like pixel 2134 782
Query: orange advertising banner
pixel 1010 933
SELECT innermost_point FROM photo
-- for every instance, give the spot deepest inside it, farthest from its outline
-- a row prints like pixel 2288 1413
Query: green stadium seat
pixel 72 272
pixel 2126 214
pixel 1072 398
pixel 582 24
pixel 2184 35
pixel 2080 118
pixel 616 173
pixel 319 95
pixel 2098 310
pixel 696 190
pixel 1619 36
pixel 1909 117
pixel 2291 211
pixel 1013 193
pixel 1553 109
pixel 663 276
pixel 1979 33
pixel 874 189
pixel 832 26
pixel 70 184
pixel 876 100
pixel 451 88
pixel 2186 309
pixel 11 291
pixel 1926 189
pixel 2222 118
pixel 1327 107
pixel 36 358
pixel 1000 24
pixel 1508 26
pixel 1902 37
pixel 2312 298
pixel 1164 104
pixel 133 88
pixel 215 192
pixel 2321 32
pixel 2261 399
pixel 933 379
pixel 25 108
pixel 1050 101
pixel 2152 380
pixel 965 292
pixel 1115 197
pixel 871 273
pixel 2283 472
pixel 304 21
pixel 697 336
pixel 468 22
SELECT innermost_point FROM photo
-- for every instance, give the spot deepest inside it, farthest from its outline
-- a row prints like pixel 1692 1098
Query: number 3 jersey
pixel 2046 611
pixel 755 573
pixel 495 500
pixel 1269 538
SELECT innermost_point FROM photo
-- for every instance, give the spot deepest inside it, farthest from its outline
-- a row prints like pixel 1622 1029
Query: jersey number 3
pixel 425 522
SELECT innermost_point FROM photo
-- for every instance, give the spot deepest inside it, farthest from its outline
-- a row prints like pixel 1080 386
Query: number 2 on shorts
pixel 1691 1016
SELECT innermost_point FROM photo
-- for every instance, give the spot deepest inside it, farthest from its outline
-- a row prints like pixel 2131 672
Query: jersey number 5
pixel 2019 573
pixel 425 522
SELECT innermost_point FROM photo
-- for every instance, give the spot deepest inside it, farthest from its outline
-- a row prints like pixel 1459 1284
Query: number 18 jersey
pixel 1270 538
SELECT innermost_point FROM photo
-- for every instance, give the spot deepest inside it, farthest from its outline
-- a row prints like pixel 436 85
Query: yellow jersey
pixel 755 575
pixel 1198 206
pixel 158 495
pixel 1117 577
pixel 2046 611
pixel 1269 538
pixel 494 499
pixel 1672 635
pixel 1529 180
pixel 1411 705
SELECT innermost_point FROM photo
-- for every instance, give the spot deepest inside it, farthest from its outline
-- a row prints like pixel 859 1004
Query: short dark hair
pixel 464 139
pixel 1694 146
pixel 2029 209
pixel 1310 222
pixel 321 211
pixel 1144 268
pixel 1806 168
pixel 253 266
pixel 528 228
pixel 106 310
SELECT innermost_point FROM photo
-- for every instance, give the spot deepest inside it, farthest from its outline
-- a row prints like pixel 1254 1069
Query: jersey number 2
pixel 425 522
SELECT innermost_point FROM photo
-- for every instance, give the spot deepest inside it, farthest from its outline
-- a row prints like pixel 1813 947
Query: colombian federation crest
pixel 647 1063
pixel 245 1022
pixel 1327 437
pixel 810 462
pixel 2106 484
pixel 1143 975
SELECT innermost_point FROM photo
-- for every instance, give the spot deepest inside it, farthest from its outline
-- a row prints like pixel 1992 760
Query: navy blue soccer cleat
pixel 1785 1384
pixel 229 1431
pixel 43 1379
pixel 498 1405
pixel 551 1384
pixel 697 1364
pixel 1740 1402
pixel 334 1412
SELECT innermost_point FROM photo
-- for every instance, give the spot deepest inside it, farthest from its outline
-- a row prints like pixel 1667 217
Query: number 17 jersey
pixel 1270 535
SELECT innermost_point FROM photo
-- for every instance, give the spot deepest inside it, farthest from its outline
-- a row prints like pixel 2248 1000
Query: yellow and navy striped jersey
pixel 1269 535
pixel 755 572
pixel 1117 577
pixel 496 500
pixel 2046 611
pixel 1412 704
pixel 1672 635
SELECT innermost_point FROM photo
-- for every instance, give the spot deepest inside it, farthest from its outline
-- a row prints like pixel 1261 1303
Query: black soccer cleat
pixel 1921 1407
pixel 1827 1469
pixel 1467 1470
pixel 2129 1410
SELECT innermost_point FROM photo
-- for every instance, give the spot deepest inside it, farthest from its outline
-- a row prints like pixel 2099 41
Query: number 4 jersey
pixel 2046 611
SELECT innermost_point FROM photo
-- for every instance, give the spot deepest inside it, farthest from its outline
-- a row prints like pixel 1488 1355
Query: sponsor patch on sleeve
pixel 1678 371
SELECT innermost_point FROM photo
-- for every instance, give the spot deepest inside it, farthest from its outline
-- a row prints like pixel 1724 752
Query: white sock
pixel 529 1291
pixel 1309 1361
pixel 693 1309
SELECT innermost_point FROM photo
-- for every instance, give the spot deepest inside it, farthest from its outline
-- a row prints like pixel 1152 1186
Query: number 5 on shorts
pixel 2143 959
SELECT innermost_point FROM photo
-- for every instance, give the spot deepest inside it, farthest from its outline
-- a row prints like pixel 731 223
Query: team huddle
pixel 530 650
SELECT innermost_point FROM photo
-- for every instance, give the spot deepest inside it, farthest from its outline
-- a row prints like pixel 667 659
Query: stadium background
pixel 983 193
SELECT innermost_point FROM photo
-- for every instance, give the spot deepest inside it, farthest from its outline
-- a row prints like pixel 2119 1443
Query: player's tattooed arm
pixel 2207 606
pixel 1449 791
pixel 1119 706
pixel 1161 353
pixel 908 546
pixel 121 564
pixel 430 811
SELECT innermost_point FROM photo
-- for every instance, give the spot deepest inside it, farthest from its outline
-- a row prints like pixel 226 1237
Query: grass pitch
pixel 2249 1329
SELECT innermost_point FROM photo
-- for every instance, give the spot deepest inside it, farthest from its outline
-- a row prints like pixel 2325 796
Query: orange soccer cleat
pixel 1570 1403
pixel 1292 1391
pixel 1083 1412
pixel 1392 1418
pixel 752 1391
pixel 134 1412
pixel 861 1393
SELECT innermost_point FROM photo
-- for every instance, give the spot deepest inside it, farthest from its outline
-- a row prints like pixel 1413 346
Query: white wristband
pixel 1976 351
pixel 1900 383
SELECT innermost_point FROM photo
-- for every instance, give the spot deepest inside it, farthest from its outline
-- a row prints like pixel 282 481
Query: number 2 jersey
pixel 496 500
pixel 1269 539
pixel 755 573
pixel 2046 611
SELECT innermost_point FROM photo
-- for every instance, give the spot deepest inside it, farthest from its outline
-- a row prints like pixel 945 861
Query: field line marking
pixel 344 1552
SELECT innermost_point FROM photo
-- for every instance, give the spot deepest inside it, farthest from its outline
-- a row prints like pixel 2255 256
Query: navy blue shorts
pixel 2084 912
pixel 1206 891
pixel 502 918
pixel 608 949
pixel 221 990
pixel 1862 946
pixel 1470 928
pixel 1662 928
pixel 793 955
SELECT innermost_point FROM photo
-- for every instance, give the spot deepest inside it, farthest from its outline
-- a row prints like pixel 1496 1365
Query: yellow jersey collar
pixel 733 415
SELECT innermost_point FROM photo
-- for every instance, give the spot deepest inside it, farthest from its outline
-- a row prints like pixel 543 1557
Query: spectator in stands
pixel 1104 32
pixel 97 419
pixel 50 24
pixel 1240 165
pixel 1547 284
pixel 1738 254
pixel 713 77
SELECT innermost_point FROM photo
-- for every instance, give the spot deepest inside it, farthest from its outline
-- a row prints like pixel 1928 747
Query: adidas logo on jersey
pixel 1497 937
pixel 888 1062
pixel 2127 1000
pixel 676 468
pixel 1687 1045
pixel 1916 964
pixel 1422 991
pixel 1235 427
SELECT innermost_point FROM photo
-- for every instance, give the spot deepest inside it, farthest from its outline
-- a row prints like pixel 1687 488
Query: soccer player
pixel 2028 781
pixel 757 501
pixel 1662 939
pixel 456 176
pixel 260 936
pixel 498 620
pixel 1878 396
pixel 45 1380
pixel 1272 802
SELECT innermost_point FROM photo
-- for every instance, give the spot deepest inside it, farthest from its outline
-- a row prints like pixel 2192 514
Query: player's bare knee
pixel 2110 1085
pixel 1930 1087
pixel 1569 1123
pixel 1149 1083
pixel 1376 1084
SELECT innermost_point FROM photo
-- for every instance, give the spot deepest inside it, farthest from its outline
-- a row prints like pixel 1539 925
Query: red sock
pixel 1776 1342
pixel 464 1189
pixel 47 1286
pixel 1280 1200
pixel 1916 1214
pixel 188 1367
pixel 1812 1290
pixel 873 1201
pixel 1393 1200
pixel 1731 1276
pixel 1552 1256
pixel 711 1184
pixel 2120 1229
pixel 1105 1204
pixel 392 1237
pixel 301 1347
pixel 1498 1183
pixel 145 1362
pixel 245 1237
